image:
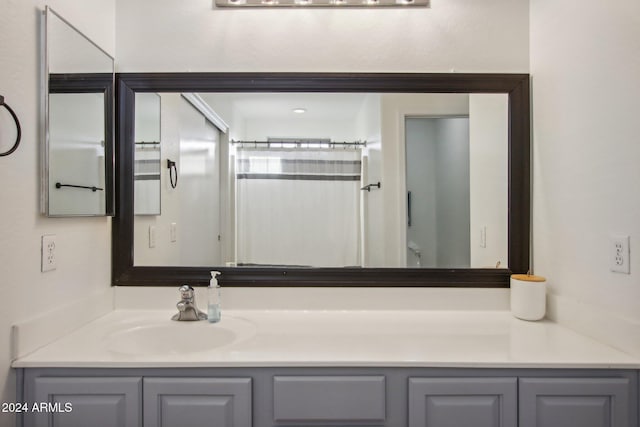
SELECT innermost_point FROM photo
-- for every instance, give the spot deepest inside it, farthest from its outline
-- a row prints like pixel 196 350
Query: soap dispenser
pixel 213 294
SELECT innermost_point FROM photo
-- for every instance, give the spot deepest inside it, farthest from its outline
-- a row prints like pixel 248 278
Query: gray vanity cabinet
pixel 82 402
pixel 584 402
pixel 331 397
pixel 203 402
pixel 460 402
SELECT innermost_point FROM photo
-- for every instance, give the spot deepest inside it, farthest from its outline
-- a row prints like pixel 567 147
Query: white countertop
pixel 336 338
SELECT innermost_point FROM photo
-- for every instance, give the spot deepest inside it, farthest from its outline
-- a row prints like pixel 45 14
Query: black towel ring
pixel 173 173
pixel 19 130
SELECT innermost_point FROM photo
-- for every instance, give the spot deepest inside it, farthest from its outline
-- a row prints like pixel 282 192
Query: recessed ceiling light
pixel 299 110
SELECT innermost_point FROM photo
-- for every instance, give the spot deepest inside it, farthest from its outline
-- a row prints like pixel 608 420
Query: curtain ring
pixel 18 129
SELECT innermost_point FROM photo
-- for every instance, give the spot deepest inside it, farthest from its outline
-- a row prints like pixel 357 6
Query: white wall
pixel 371 219
pixel 83 244
pixel 465 35
pixel 585 63
pixel 489 172
pixel 199 189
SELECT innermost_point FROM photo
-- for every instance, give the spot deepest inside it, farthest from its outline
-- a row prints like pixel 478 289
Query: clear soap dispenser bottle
pixel 213 295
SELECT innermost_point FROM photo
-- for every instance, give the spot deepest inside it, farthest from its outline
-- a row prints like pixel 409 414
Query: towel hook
pixel 369 186
pixel 18 129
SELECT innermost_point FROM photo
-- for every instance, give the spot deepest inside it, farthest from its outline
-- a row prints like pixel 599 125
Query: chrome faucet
pixel 187 309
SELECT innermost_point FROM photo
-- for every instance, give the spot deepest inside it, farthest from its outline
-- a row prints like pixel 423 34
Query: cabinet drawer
pixel 329 398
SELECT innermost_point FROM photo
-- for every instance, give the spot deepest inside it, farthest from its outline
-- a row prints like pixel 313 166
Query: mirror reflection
pixel 78 121
pixel 323 180
pixel 147 154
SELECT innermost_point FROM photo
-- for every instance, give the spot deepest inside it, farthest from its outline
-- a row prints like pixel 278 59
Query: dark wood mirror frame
pixel 515 85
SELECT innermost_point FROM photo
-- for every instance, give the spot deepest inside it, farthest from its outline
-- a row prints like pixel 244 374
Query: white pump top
pixel 214 281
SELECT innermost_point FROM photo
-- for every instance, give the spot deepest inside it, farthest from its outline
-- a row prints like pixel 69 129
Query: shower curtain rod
pixel 302 142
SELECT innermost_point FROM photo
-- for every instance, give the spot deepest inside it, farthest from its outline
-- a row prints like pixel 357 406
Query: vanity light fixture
pixel 299 110
pixel 321 3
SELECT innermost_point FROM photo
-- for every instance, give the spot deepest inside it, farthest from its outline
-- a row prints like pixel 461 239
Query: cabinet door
pixel 330 400
pixel 462 402
pixel 202 402
pixel 81 402
pixel 584 402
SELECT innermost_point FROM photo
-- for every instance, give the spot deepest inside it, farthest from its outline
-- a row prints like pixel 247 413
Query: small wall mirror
pixel 77 176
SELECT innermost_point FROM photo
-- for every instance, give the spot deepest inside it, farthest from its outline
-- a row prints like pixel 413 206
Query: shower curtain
pixel 298 207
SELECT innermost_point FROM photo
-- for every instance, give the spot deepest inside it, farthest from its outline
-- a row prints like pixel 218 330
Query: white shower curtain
pixel 298 207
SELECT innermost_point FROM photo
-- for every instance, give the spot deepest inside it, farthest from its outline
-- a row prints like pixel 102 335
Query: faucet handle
pixel 186 292
pixel 187 309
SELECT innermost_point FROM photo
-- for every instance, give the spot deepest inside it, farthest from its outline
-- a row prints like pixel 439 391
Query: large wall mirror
pixel 77 172
pixel 322 179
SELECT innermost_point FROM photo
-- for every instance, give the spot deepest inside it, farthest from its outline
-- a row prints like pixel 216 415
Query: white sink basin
pixel 173 337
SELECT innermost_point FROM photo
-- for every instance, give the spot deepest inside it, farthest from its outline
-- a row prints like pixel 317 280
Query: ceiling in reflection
pixel 321 106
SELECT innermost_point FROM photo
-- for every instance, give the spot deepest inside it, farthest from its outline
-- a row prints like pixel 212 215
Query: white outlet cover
pixel 48 254
pixel 619 254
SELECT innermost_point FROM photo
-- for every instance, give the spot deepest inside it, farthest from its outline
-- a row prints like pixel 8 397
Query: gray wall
pixel 438 178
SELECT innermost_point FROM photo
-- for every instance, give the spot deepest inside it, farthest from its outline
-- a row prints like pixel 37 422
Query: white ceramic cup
pixel 528 296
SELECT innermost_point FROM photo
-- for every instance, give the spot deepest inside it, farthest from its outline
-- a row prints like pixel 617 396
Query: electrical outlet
pixel 48 258
pixel 619 254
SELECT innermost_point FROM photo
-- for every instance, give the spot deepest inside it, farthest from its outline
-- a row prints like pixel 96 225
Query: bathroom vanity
pixel 330 368
pixel 245 397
